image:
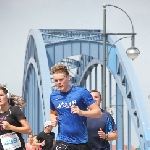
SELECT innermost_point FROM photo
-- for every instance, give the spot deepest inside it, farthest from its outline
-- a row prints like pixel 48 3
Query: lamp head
pixel 132 52
pixel 104 5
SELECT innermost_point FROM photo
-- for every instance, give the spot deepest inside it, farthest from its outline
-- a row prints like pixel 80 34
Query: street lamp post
pixel 131 52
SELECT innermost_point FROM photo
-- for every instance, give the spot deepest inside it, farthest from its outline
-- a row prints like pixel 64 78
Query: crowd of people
pixel 76 112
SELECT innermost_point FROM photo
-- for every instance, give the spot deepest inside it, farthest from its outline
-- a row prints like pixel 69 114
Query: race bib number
pixel 10 141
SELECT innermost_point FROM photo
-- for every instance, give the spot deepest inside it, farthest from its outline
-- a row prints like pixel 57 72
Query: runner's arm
pixel 112 136
pixel 94 112
pixel 54 117
pixel 36 143
pixel 25 129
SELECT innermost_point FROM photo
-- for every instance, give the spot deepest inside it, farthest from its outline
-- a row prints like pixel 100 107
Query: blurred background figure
pixel 101 130
pixel 28 145
pixel 35 139
pixel 46 138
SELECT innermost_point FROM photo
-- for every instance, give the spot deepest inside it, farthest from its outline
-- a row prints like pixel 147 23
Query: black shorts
pixel 60 145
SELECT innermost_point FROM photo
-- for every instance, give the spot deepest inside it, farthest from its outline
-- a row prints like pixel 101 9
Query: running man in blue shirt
pixel 101 130
pixel 68 108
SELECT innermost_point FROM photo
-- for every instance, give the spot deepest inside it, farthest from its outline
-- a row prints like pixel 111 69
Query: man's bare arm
pixel 94 112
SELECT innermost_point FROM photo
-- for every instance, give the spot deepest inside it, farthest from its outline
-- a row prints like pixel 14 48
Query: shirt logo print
pixel 66 105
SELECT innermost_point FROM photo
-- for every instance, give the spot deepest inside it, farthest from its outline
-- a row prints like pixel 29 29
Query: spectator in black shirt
pixel 46 138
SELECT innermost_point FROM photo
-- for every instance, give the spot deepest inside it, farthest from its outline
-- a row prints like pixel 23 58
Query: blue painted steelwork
pixel 119 119
pixel 45 48
pixel 33 82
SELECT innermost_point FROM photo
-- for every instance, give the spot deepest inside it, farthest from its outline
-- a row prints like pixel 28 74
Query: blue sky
pixel 18 17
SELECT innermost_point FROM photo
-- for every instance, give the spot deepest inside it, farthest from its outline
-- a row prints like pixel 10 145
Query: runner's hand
pixel 6 125
pixel 76 110
pixel 43 143
pixel 101 134
pixel 54 120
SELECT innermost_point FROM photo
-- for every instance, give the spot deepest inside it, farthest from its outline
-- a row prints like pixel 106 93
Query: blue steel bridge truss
pixel 81 51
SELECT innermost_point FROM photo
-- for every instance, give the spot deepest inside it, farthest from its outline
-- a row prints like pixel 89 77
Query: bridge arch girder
pixel 37 57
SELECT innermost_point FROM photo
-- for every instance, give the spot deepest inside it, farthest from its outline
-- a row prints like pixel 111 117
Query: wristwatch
pixel 106 137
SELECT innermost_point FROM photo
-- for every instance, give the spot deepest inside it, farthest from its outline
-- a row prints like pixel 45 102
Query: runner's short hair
pixel 60 69
pixel 96 91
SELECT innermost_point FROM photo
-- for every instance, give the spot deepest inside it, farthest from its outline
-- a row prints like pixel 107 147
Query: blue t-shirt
pixel 72 128
pixel 107 124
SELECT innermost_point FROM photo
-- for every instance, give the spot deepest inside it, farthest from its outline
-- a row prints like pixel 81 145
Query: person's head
pixel 96 96
pixel 48 126
pixel 30 138
pixel 10 99
pixel 61 77
pixel 4 96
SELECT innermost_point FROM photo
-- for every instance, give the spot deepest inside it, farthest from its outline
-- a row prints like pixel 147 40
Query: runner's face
pixel 96 97
pixel 49 128
pixel 30 138
pixel 61 81
pixel 3 98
